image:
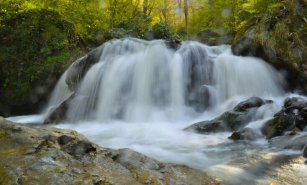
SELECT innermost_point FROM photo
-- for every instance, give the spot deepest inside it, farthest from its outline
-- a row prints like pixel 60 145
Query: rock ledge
pixel 43 155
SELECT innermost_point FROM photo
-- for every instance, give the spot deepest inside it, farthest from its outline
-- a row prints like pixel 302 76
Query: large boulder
pixel 232 120
pixel 292 116
pixel 278 36
pixel 78 69
pixel 40 155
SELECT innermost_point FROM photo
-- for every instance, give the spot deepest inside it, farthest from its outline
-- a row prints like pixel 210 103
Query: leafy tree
pixel 33 44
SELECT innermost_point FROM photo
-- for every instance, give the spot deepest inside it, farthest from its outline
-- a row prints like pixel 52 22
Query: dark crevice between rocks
pixel 79 149
pixel 63 140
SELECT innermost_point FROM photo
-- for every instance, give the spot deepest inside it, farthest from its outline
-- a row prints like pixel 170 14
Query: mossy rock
pixel 244 134
pixel 290 119
pixel 278 36
pixel 277 127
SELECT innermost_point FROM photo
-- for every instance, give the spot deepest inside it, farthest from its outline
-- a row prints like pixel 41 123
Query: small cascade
pixel 245 76
pixel 198 70
pixel 60 93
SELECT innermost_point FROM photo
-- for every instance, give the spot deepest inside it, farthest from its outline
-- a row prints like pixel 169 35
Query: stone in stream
pixel 244 134
pixel 232 120
pixel 291 117
pixel 59 113
pixel 292 142
pixel 249 103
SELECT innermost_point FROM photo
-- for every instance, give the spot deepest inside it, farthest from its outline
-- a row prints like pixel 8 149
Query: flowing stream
pixel 142 94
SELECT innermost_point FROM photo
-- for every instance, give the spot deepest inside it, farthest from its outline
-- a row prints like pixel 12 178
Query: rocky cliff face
pixel 41 155
pixel 279 37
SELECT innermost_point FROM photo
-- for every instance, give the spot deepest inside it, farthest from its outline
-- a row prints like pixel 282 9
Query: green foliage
pixel 32 43
pixel 161 31
pixel 282 29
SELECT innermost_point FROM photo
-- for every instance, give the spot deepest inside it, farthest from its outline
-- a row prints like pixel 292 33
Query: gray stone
pixel 232 120
pixel 291 117
pixel 56 156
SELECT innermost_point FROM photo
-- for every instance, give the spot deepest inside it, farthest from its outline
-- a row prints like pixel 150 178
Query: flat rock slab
pixel 43 155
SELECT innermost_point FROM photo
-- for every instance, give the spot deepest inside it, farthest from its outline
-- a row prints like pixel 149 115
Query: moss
pixel 276 127
pixel 235 136
pixel 4 179
pixel 295 131
pixel 278 36
pixel 232 120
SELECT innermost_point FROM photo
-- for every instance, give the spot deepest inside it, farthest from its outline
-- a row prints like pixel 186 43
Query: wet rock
pixel 278 126
pixel 304 112
pixel 58 114
pixel 250 103
pixel 55 156
pixel 232 120
pixel 305 151
pixel 173 43
pixel 296 142
pixel 291 117
pixel 79 68
pixel 244 134
pixel 208 126
pixel 200 69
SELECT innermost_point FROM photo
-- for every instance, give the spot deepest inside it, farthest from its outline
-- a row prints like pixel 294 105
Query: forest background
pixel 40 38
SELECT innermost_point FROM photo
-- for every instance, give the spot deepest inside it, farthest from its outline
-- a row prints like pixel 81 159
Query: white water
pixel 141 94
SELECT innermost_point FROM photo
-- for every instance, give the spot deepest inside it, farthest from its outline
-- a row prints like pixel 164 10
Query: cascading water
pixel 141 94
pixel 137 80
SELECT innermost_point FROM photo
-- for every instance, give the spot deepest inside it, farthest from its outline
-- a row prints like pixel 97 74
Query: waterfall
pixel 245 76
pixel 130 82
pixel 135 80
pixel 131 93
